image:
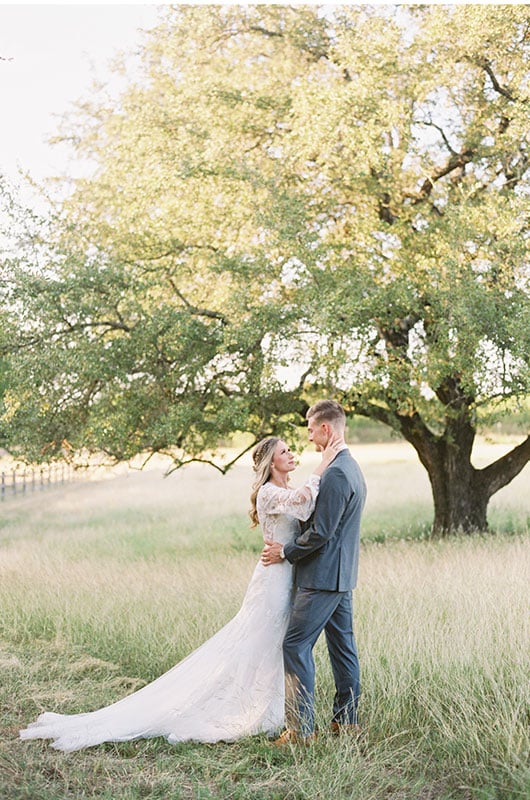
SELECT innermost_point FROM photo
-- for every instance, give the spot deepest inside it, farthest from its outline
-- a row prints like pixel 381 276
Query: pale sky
pixel 55 51
pixel 52 54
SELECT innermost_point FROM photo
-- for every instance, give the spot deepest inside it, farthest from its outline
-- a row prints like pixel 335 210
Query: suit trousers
pixel 313 611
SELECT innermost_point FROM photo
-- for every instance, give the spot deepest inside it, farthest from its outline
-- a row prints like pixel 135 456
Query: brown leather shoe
pixel 290 736
pixel 337 729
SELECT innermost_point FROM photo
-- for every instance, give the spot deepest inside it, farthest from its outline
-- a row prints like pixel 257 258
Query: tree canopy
pixel 287 203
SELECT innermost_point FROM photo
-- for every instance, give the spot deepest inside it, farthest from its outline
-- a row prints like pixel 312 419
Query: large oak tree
pixel 286 203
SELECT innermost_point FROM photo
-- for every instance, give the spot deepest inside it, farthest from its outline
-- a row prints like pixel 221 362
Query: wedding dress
pixel 232 685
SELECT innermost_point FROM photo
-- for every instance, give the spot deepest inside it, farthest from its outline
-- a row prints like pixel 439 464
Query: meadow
pixel 106 583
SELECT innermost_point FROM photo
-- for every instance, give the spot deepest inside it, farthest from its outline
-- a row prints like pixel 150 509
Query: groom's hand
pixel 271 554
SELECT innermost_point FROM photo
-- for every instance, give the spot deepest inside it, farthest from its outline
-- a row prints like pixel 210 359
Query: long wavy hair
pixel 262 456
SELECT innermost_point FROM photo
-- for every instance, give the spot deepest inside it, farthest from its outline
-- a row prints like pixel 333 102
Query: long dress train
pixel 232 685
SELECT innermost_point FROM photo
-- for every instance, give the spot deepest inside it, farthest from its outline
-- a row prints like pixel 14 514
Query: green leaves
pixel 285 202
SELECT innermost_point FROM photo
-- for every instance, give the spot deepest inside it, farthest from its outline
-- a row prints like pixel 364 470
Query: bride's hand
pixel 333 447
pixel 329 453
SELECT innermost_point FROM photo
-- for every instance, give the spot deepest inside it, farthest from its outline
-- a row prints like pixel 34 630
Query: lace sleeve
pixel 299 503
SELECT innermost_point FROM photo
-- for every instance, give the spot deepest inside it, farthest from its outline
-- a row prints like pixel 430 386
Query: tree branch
pixel 108 324
pixel 502 471
pixel 486 66
pixel 411 426
pixel 450 393
pixel 266 31
pixel 398 335
pixel 431 124
pixel 316 52
pixel 222 468
pixel 200 312
pixel 456 161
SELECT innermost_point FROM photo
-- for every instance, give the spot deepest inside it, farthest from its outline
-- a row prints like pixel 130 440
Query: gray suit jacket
pixel 326 553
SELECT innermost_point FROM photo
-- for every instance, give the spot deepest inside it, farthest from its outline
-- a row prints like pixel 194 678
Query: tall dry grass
pixel 103 586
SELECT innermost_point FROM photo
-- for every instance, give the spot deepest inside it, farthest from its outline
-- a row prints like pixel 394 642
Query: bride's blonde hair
pixel 262 456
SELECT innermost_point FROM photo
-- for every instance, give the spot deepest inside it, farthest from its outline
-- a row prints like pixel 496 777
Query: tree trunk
pixel 461 492
pixel 460 499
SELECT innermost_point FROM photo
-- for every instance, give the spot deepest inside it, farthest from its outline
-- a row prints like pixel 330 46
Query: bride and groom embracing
pixel 257 674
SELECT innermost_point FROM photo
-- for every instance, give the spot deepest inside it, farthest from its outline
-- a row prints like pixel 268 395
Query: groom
pixel 325 556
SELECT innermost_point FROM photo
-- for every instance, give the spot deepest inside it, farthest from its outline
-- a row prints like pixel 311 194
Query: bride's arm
pixel 299 503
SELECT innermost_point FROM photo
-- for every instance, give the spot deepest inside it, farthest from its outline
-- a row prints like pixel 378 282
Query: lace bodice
pixel 280 510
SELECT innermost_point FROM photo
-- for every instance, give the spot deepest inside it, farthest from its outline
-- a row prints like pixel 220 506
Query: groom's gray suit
pixel 326 557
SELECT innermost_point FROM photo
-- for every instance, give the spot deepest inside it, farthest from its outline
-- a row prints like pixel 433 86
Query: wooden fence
pixel 23 480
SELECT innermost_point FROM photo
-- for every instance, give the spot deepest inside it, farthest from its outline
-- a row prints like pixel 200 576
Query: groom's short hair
pixel 327 411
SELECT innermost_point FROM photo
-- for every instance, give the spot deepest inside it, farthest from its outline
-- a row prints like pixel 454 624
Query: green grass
pixel 105 585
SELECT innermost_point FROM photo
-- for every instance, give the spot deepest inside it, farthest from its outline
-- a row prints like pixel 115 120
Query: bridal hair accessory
pixel 263 451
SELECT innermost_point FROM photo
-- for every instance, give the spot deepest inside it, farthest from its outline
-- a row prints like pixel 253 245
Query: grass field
pixel 106 584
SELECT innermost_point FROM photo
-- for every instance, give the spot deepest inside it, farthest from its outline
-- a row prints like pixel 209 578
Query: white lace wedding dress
pixel 232 685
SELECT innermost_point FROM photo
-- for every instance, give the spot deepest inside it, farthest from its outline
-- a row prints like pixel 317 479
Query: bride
pixel 232 685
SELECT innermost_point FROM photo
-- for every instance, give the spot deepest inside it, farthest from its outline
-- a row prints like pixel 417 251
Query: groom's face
pixel 318 433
